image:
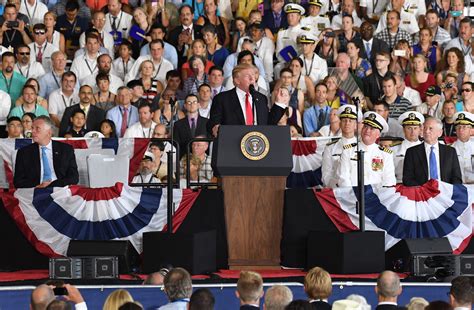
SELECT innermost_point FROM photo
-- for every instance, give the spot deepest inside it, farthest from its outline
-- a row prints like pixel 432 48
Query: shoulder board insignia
pixel 305 28
pixel 385 149
pixel 348 146
pixel 396 143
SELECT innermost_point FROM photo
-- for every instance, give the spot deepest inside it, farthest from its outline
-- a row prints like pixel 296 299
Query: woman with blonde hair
pixel 151 86
pixel 54 37
pixel 420 79
pixel 318 287
pixel 116 299
pixel 140 19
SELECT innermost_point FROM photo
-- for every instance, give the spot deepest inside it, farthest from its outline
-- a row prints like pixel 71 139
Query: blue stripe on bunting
pixel 75 229
pixel 404 229
pixel 304 179
pixel 19 143
pixel 110 143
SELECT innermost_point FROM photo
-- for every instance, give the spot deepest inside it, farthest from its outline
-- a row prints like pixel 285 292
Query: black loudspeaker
pixel 399 258
pixel 65 268
pixel 88 267
pixel 194 252
pixel 466 263
pixel 123 249
pixel 347 253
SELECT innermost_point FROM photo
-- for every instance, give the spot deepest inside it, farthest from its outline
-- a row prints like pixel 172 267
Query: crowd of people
pixel 130 68
pixel 250 292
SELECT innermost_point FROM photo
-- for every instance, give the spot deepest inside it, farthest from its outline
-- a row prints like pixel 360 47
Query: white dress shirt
pixel 115 82
pixel 465 151
pixel 436 151
pixel 58 102
pixel 35 12
pixel 123 23
pixel 49 155
pixel 5 105
pixel 47 49
pixel 84 65
pixel 159 73
pixel 107 41
pixel 316 68
pixel 138 131
pixel 31 70
pixel 121 68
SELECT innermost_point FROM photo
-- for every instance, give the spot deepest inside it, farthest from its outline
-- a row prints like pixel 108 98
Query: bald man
pixel 388 289
pixel 41 296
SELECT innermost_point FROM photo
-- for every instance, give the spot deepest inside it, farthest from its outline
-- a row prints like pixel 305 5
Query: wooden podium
pixel 253 191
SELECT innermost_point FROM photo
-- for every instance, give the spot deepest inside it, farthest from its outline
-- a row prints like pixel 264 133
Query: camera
pixel 449 85
pixel 13 24
pixel 60 291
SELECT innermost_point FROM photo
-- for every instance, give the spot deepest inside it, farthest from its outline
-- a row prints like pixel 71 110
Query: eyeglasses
pixel 466 90
pixel 191 102
pixel 40 32
pixel 24 53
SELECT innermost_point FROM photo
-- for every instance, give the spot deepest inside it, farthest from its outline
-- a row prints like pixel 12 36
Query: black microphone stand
pixel 360 173
pixel 252 92
pixel 169 180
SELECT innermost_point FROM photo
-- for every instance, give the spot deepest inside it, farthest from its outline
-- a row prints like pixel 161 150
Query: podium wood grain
pixel 254 217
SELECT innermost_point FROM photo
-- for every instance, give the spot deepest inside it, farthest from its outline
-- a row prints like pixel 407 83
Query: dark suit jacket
pixel 173 37
pixel 226 110
pixel 28 166
pixel 321 305
pixel 415 165
pixel 182 132
pixel 269 21
pixel 94 117
pixel 377 47
pixel 389 307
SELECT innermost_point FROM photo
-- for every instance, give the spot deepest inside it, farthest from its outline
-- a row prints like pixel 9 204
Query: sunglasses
pixel 24 53
pixel 39 32
pixel 466 90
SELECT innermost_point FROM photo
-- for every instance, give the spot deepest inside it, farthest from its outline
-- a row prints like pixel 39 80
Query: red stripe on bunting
pixel 92 194
pixel 332 208
pixel 303 147
pixel 419 193
pixel 76 144
pixel 8 174
pixel 463 245
pixel 12 206
pixel 140 146
pixel 187 201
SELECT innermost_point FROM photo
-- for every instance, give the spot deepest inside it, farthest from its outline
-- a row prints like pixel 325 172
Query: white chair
pixel 81 160
pixel 106 170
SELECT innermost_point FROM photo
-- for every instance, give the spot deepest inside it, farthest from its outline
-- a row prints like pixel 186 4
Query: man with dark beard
pixel 11 82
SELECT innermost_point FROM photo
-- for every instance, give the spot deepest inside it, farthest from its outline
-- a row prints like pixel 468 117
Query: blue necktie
pixel 367 50
pixel 433 165
pixel 46 167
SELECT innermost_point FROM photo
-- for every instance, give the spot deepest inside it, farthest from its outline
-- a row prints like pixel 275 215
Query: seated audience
pixel 14 127
pixel 202 299
pixel 116 299
pixel 318 288
pixel 249 290
pixel 178 288
pixel 145 173
pixel 388 289
pixel 277 297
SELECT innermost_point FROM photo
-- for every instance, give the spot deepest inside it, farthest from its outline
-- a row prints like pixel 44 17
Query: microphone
pixel 252 89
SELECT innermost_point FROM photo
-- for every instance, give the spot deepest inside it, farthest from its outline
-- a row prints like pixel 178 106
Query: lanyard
pixel 10 39
pixel 149 133
pixel 28 11
pixel 55 79
pixel 149 181
pixel 43 49
pixel 9 85
pixel 71 31
pixel 308 72
pixel 23 110
pixel 158 71
pixel 21 71
pixel 464 50
pixel 117 25
pixel 125 67
pixel 89 67
pixel 64 101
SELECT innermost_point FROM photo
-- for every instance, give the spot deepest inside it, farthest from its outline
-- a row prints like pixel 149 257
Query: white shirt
pixel 107 40
pixel 331 159
pixel 408 23
pixel 465 151
pixel 436 151
pixel 159 73
pixel 265 48
pixel 399 157
pixel 138 131
pixel 5 105
pixel 316 23
pixel 31 70
pixel 58 102
pixel 415 7
pixel 316 68
pixel 35 12
pixel 49 156
pixel 115 82
pixel 412 95
pixel 204 112
pixel 47 49
pixel 121 68
pixel 336 23
pixel 123 23
pixel 83 66
pixel 287 37
pixel 380 6
pixel 241 95
pixel 378 166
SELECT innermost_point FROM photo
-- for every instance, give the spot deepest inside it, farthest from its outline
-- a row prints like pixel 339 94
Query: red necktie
pixel 123 127
pixel 39 56
pixel 248 110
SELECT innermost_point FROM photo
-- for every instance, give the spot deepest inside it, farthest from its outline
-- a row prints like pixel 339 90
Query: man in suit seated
pixel 242 106
pixel 249 290
pixel 45 163
pixel 431 159
pixel 318 287
pixel 191 126
pixel 388 289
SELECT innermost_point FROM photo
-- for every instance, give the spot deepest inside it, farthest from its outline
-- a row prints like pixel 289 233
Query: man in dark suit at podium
pixel 388 289
pixel 242 105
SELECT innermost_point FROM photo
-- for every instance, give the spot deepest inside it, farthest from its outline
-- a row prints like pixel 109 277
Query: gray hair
pixel 388 284
pixel 438 122
pixel 46 120
pixel 178 284
pixel 278 297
